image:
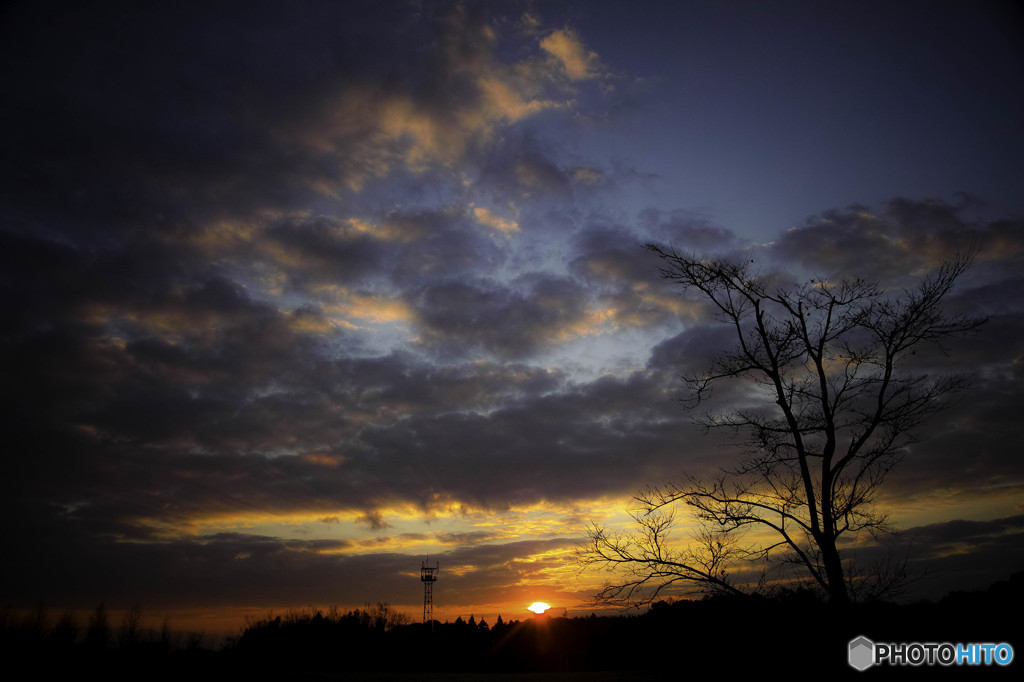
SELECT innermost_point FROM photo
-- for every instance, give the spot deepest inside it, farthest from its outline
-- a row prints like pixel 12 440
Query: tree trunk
pixel 837 592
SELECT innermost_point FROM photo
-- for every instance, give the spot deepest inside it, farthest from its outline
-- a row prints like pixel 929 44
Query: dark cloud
pixel 373 520
pixel 961 554
pixel 972 438
pixel 612 255
pixel 323 249
pixel 537 447
pixel 689 351
pixel 509 322
pixel 687 230
pixel 581 443
pixel 948 536
pixel 524 173
pixel 217 571
pixel 614 262
pixel 905 237
pixel 225 569
pixel 448 247
pixel 156 114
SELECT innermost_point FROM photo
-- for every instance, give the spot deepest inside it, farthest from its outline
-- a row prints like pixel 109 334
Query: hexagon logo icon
pixel 862 653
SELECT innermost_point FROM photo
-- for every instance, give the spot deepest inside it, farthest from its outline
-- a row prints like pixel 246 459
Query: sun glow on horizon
pixel 538 607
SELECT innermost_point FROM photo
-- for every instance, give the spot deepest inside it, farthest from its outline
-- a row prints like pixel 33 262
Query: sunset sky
pixel 297 294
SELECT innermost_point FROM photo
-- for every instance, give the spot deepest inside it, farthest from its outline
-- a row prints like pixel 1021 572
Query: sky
pixel 296 295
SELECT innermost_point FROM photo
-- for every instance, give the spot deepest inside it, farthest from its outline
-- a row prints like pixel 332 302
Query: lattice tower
pixel 428 574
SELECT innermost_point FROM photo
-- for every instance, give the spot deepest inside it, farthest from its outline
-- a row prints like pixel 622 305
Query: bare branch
pixel 841 414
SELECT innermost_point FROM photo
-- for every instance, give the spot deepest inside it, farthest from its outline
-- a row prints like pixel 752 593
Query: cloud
pixel 509 322
pixel 902 240
pixel 485 217
pixel 365 130
pixel 587 175
pixel 363 306
pixel 452 246
pixel 688 351
pixel 612 255
pixel 565 46
pixel 374 520
pixel 612 260
pixel 963 554
pixel 525 173
pixel 688 230
pixel 226 569
pixel 370 94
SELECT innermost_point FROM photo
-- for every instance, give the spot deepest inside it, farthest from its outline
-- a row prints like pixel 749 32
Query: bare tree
pixel 834 409
pixel 131 627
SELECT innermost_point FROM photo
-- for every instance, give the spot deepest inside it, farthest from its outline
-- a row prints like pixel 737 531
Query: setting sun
pixel 538 607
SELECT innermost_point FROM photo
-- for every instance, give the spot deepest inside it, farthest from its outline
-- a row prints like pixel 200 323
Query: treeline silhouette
pixel 69 646
pixel 366 641
pixel 791 631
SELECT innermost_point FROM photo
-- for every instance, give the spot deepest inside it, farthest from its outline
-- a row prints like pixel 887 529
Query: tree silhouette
pixel 98 633
pixel 131 628
pixel 834 409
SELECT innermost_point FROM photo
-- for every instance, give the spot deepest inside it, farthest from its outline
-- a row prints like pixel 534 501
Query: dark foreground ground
pixel 794 634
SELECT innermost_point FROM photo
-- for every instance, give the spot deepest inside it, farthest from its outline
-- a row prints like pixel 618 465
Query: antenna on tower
pixel 428 574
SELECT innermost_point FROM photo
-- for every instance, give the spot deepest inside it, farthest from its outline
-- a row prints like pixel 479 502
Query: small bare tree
pixel 131 628
pixel 834 410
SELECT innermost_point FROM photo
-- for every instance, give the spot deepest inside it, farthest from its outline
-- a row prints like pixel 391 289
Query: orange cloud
pixel 374 307
pixel 370 130
pixel 502 101
pixel 389 231
pixel 485 217
pixel 587 176
pixel 566 47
